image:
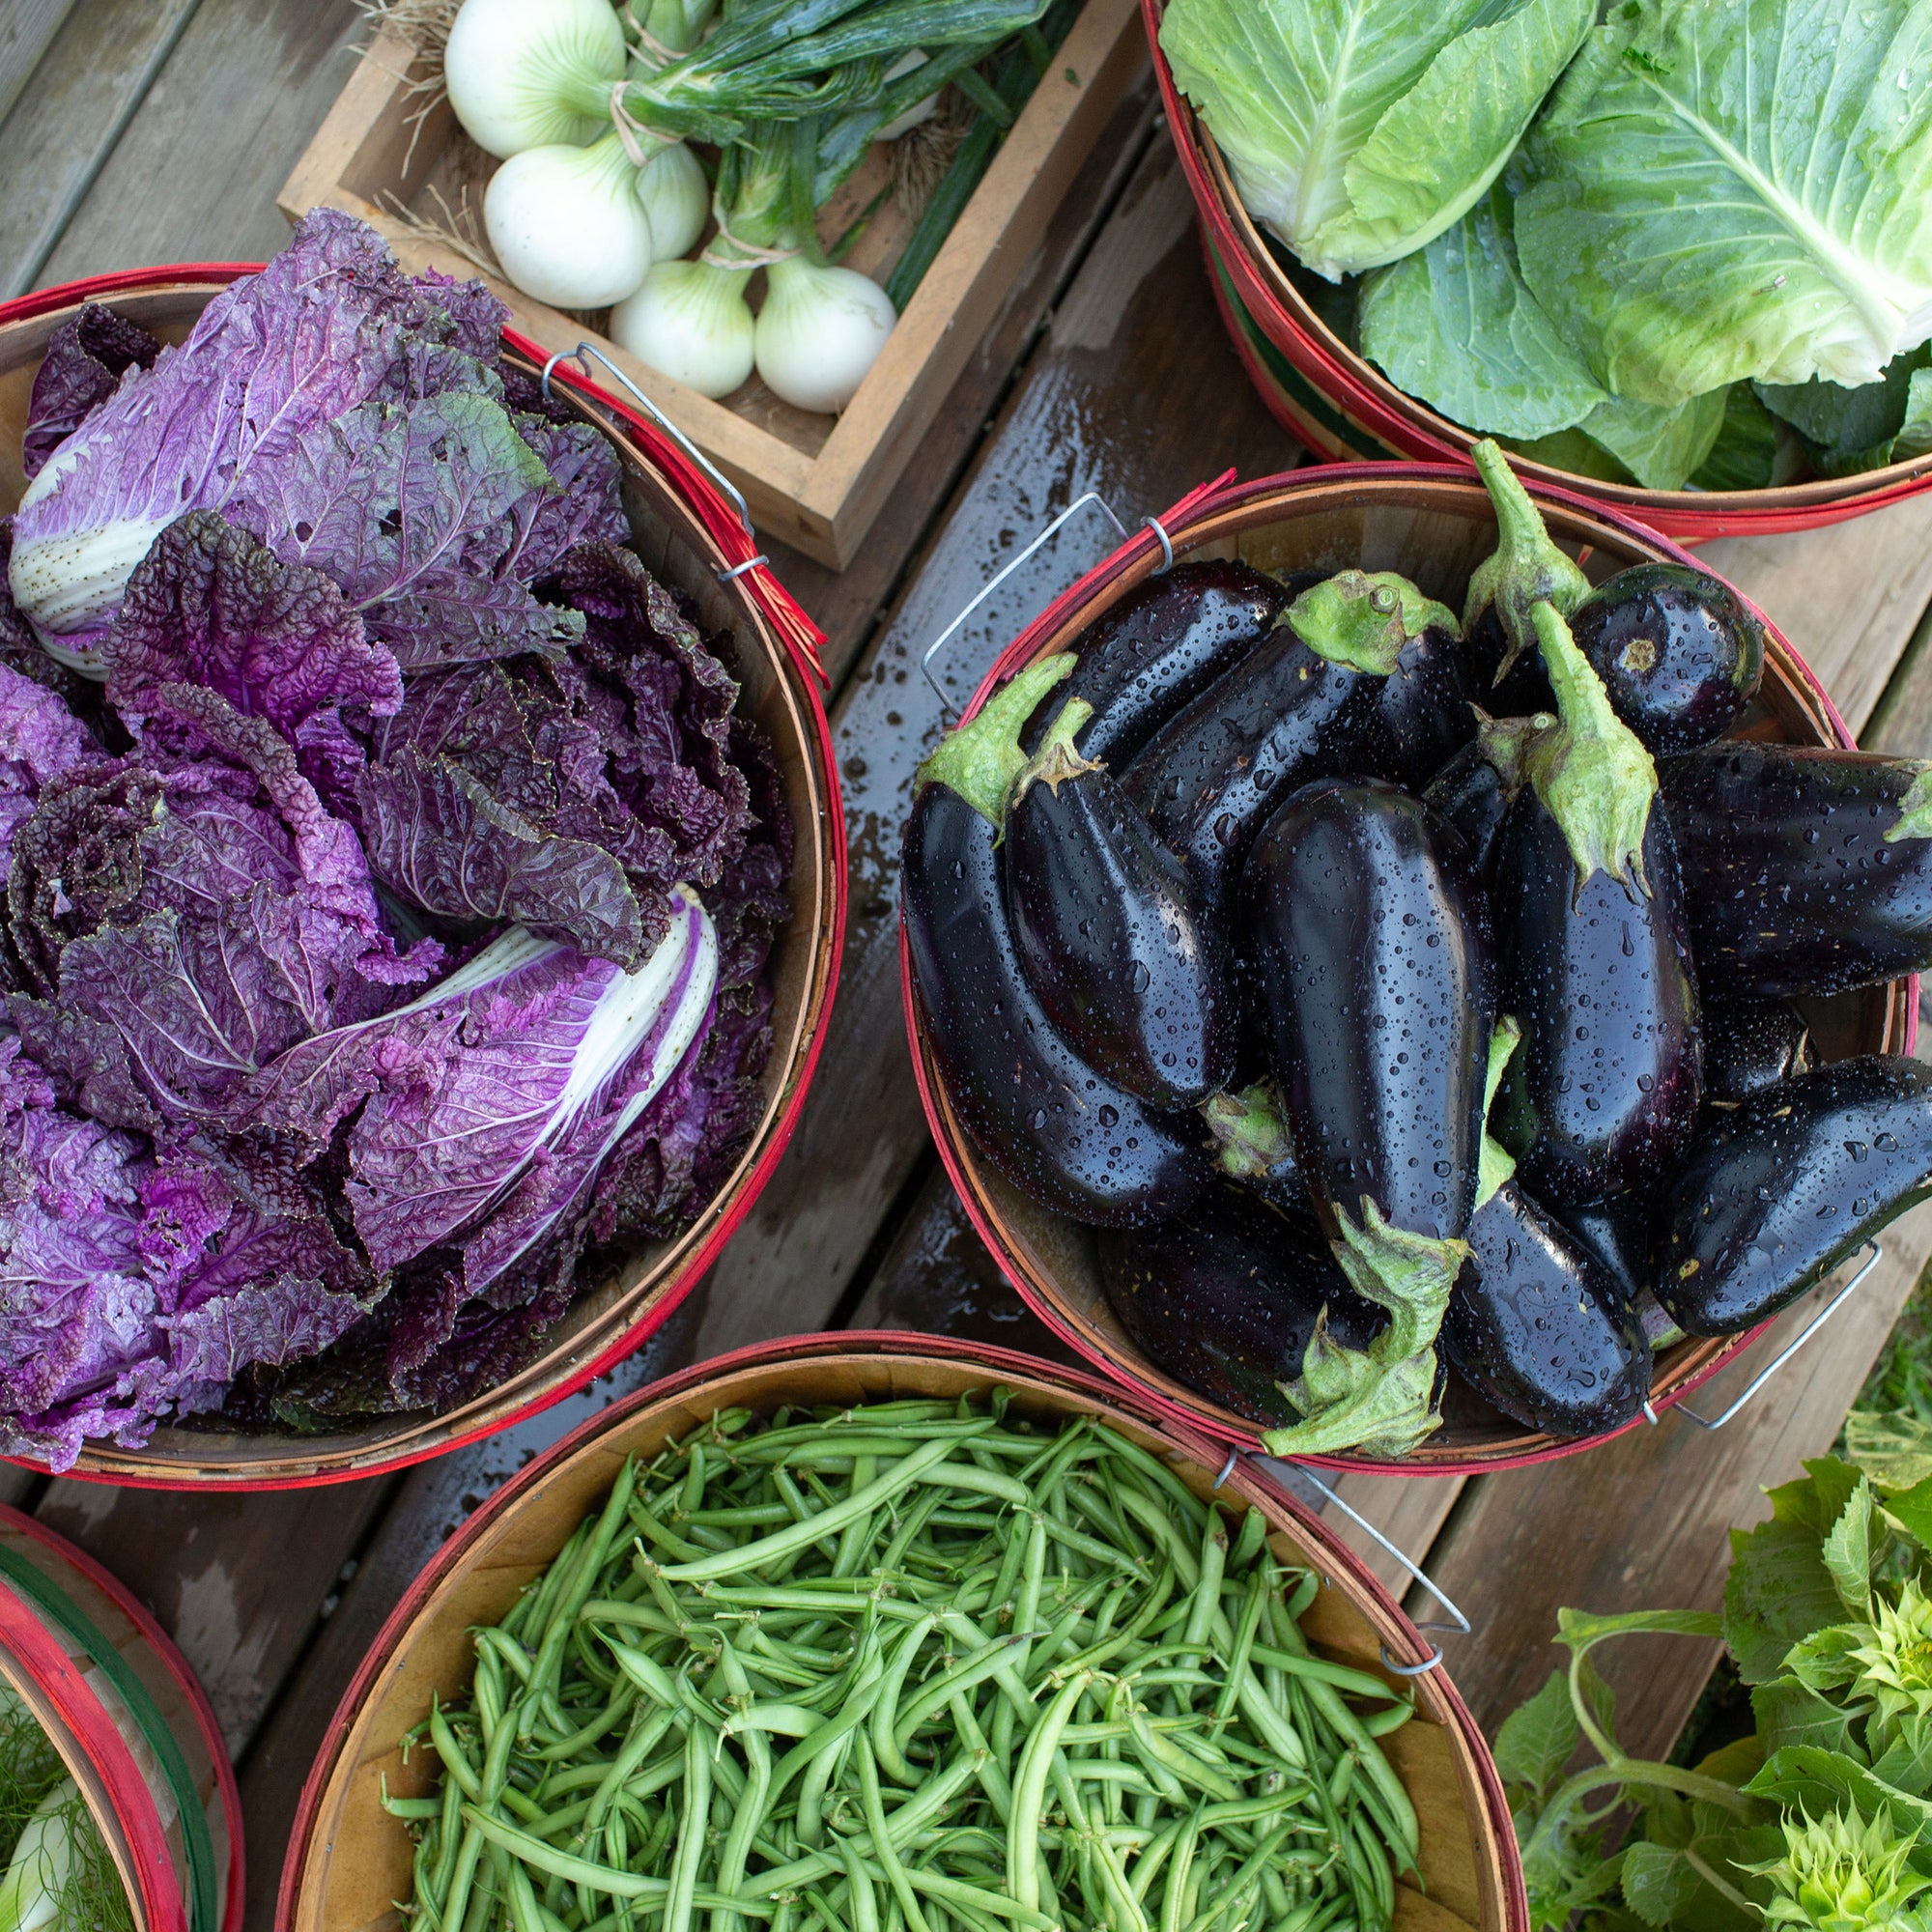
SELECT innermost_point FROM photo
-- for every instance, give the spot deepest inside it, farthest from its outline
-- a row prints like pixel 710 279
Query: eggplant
pixel 1224 1298
pixel 1064 1136
pixel 1680 654
pixel 1750 1045
pixel 1253 1147
pixel 1308 703
pixel 1112 936
pixel 1374 940
pixel 1539 1328
pixel 1807 870
pixel 1475 789
pixel 1526 568
pixel 1618 1232
pixel 1161 644
pixel 1776 1192
pixel 1597 955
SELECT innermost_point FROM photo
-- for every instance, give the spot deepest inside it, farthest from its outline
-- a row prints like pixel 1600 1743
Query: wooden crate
pixel 815 481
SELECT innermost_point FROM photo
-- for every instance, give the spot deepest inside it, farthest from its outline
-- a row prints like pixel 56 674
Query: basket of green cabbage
pixel 1679 257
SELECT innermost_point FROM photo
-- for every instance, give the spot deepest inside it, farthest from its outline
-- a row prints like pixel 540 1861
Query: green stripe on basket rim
pixel 1290 381
pixel 59 1608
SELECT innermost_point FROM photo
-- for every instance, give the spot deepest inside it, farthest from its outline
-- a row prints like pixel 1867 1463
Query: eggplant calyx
pixel 1914 810
pixel 1410 1274
pixel 1363 618
pixel 1057 760
pixel 1495 1164
pixel 1351 1399
pixel 980 760
pixel 1505 740
pixel 1250 1137
pixel 1589 769
pixel 1526 567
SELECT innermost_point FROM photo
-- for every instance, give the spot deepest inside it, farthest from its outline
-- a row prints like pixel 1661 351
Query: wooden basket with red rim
pixel 1433 524
pixel 348 1859
pixel 1340 404
pixel 131 1724
pixel 688 533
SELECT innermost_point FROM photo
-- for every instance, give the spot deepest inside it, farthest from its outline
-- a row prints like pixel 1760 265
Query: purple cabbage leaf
pixel 87 355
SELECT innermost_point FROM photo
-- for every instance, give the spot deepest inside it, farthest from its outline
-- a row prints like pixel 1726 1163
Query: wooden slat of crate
pixel 821 500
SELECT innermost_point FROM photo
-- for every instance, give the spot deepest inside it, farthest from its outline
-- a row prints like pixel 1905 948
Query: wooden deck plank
pixel 430 1502
pixel 27 28
pixel 237 1580
pixel 194 176
pixel 88 85
pixel 1137 323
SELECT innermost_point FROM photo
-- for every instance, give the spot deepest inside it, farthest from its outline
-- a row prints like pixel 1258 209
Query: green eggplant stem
pixel 1363 618
pixel 981 760
pixel 1526 567
pixel 1058 759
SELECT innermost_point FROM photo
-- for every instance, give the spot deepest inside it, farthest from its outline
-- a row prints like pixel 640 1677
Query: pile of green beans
pixel 910 1667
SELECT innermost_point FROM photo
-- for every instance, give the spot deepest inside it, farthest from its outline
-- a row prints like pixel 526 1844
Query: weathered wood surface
pixel 161 132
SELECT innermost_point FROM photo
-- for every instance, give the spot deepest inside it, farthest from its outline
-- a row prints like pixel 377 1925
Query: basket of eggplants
pixel 1397 993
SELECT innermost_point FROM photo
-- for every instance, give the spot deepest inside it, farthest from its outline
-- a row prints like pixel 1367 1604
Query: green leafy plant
pixel 1822 1817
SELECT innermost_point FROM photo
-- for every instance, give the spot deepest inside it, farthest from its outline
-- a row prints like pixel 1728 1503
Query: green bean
pixel 882 1843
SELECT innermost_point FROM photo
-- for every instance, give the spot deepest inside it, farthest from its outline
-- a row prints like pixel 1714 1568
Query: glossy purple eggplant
pixel 1807 870
pixel 1165 642
pixel 1776 1192
pixel 1373 940
pixel 1752 1044
pixel 1602 982
pixel 1597 957
pixel 1253 1146
pixel 1225 1297
pixel 1680 653
pixel 1112 935
pixel 1475 789
pixel 1308 703
pixel 1618 1233
pixel 1539 1329
pixel 1056 1129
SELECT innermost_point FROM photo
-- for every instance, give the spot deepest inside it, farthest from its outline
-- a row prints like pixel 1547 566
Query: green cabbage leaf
pixel 1359 130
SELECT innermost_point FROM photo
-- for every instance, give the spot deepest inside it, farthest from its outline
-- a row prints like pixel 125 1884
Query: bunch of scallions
pixel 599 194
pixel 914 1666
pixel 58 1874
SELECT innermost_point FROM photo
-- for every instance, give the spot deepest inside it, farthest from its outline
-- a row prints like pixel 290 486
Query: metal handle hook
pixel 1287 1474
pixel 582 354
pixel 1783 1355
pixel 1000 576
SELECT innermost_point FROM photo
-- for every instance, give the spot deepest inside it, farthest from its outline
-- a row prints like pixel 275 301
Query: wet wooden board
pixel 169 126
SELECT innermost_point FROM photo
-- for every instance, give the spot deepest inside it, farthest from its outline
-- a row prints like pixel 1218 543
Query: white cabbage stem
pixel 568 224
pixel 689 322
pixel 676 197
pixel 30 1895
pixel 532 73
pixel 819 332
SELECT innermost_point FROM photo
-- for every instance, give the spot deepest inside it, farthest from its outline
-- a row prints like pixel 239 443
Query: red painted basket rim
pixel 800 640
pixel 1209 501
pixel 995 1361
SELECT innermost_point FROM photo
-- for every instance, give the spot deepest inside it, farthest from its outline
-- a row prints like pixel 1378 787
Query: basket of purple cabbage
pixel 423 873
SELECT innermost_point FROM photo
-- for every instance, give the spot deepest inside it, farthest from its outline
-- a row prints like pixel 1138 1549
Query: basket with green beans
pixel 912 1666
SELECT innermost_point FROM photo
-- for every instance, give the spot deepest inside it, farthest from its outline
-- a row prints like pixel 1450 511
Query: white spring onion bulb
pixel 567 223
pixel 819 332
pixel 689 322
pixel 676 197
pixel 919 112
pixel 30 1895
pixel 528 73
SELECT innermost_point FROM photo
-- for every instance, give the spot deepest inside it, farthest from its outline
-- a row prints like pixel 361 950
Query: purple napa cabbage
pixel 488 1106
pixel 41 740
pixel 86 357
pixel 573 796
pixel 196 902
pixel 135 1284
pixel 352 418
